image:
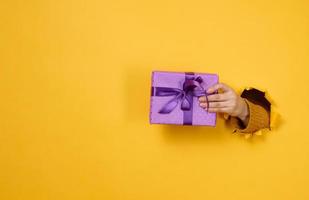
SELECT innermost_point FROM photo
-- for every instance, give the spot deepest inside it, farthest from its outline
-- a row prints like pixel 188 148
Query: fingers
pixel 218 97
pixel 202 99
pixel 214 88
pixel 218 102
pixel 215 105
pixel 214 97
pixel 221 110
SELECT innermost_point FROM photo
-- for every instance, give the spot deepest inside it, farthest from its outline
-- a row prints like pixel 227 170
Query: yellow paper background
pixel 75 85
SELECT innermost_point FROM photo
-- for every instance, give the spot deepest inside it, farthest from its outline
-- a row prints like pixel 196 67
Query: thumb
pixel 218 86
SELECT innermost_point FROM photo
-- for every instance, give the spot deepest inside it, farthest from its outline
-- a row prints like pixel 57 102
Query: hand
pixel 227 101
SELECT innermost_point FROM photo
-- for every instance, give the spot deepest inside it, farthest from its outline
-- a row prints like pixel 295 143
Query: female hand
pixel 226 101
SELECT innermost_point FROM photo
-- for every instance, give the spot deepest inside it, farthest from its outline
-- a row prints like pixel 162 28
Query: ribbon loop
pixel 164 91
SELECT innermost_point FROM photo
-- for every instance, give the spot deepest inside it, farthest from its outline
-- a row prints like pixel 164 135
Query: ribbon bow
pixel 191 88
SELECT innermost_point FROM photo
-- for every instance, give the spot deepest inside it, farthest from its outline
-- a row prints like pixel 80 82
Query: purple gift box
pixel 174 98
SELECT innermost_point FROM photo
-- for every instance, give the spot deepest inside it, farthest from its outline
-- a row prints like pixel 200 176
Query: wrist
pixel 244 114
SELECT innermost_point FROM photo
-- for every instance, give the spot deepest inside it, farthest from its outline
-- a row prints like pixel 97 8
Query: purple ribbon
pixel 191 88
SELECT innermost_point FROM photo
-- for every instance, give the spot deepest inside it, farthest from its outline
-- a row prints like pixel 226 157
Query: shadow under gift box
pixel 174 98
